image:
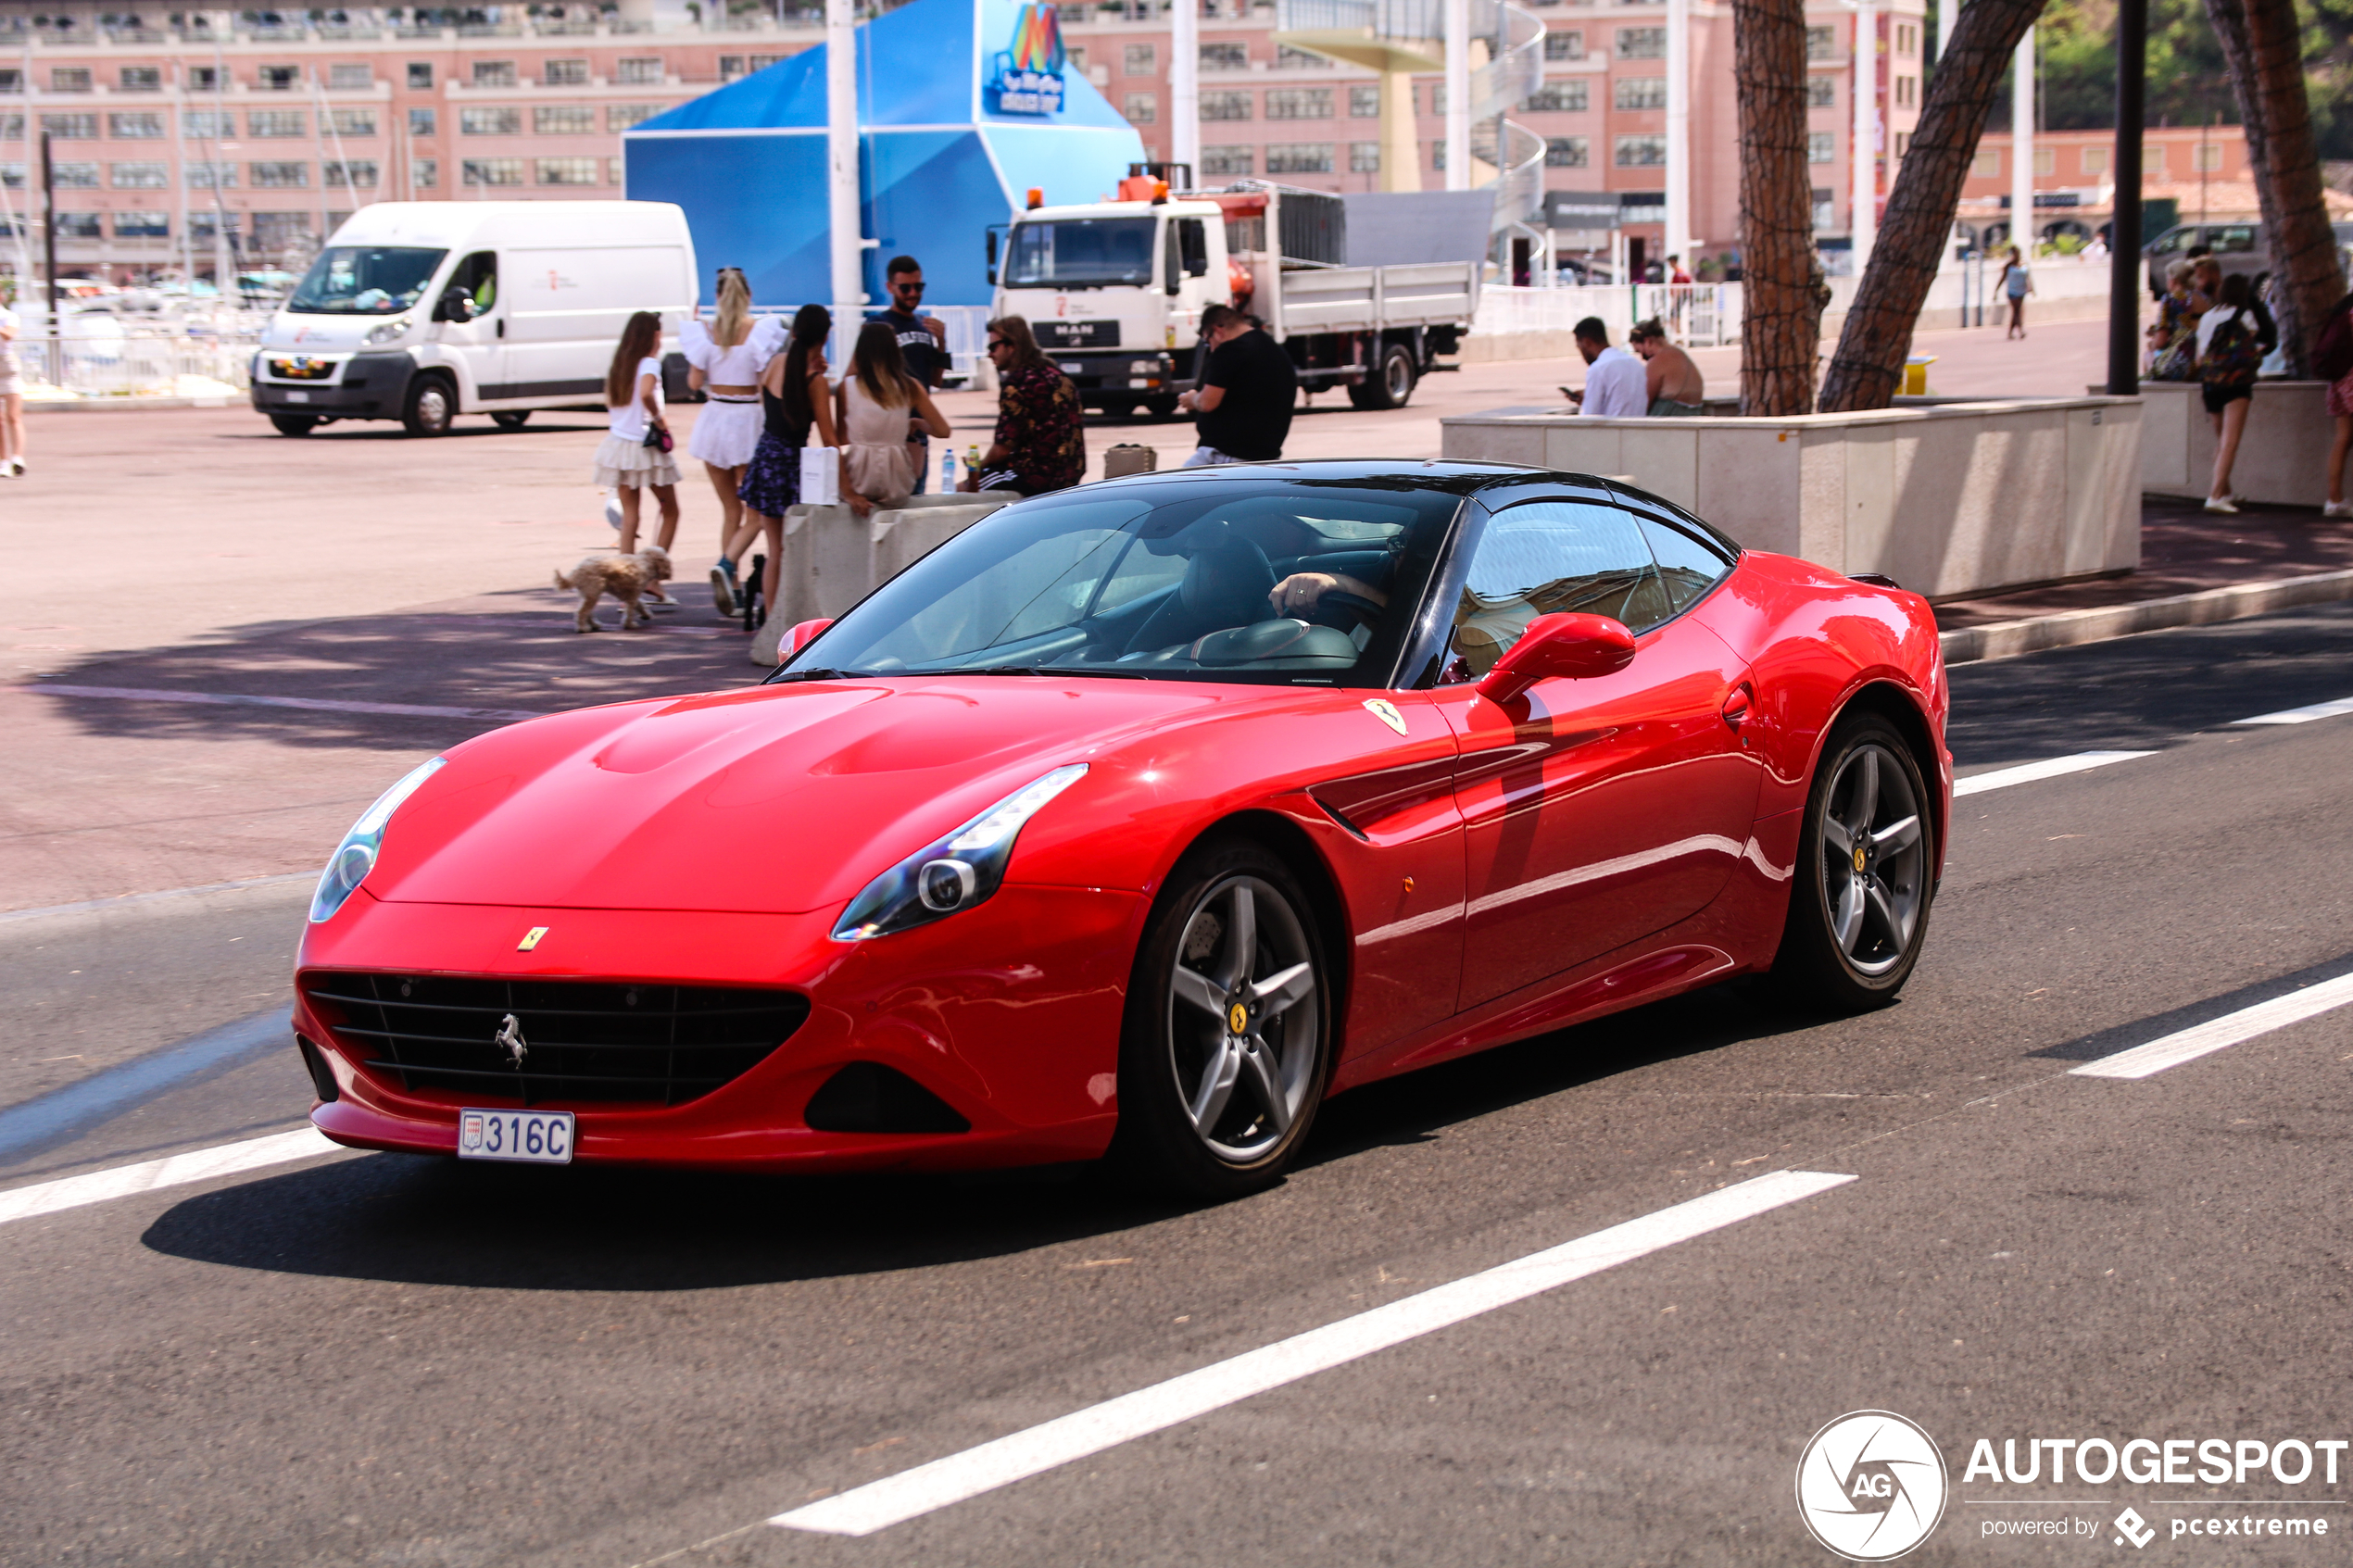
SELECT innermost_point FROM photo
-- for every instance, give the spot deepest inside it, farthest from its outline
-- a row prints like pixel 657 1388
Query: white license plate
pixel 536 1137
pixel 1072 366
pixel 297 397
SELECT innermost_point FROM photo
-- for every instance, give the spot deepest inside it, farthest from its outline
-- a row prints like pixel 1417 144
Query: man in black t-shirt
pixel 1242 409
pixel 923 343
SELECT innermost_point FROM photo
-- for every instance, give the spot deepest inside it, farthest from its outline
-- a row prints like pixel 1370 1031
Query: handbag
pixel 658 439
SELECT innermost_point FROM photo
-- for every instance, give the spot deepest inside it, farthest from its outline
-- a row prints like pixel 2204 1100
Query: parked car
pixel 2240 247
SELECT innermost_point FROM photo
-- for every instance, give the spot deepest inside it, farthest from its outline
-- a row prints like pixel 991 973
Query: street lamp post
pixel 846 245
pixel 1863 200
pixel 1184 86
pixel 2124 230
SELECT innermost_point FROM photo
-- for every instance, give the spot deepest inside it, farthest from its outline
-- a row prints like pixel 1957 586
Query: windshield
pixel 1271 580
pixel 365 280
pixel 1081 253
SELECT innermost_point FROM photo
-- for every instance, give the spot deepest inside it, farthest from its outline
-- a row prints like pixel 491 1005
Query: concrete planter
pixel 2283 456
pixel 1951 499
pixel 833 558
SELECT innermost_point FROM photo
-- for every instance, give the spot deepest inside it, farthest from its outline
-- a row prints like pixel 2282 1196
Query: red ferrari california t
pixel 1136 820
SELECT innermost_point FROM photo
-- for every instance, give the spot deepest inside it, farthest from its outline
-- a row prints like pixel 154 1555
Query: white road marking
pixel 926 1488
pixel 2050 768
pixel 2187 1045
pixel 177 1170
pixel 2342 706
pixel 120 899
pixel 309 704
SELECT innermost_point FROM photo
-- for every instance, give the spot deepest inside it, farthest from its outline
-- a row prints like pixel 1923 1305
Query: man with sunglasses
pixel 923 343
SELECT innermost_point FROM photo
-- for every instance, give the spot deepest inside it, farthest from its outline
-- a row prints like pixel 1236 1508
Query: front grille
pixel 580 1040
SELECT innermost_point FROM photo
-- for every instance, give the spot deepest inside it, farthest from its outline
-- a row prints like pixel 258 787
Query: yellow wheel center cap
pixel 1237 1019
pixel 1858 857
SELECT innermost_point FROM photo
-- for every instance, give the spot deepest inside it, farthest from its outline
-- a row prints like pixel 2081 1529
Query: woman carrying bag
pixel 795 402
pixel 879 405
pixel 2233 338
pixel 635 453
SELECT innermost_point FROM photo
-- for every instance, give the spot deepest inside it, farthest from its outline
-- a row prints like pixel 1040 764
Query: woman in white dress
pixel 725 361
pixel 879 404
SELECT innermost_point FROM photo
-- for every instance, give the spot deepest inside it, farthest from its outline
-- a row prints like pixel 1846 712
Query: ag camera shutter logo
pixel 1871 1485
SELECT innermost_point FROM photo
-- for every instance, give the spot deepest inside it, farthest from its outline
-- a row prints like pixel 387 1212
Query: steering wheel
pixel 1343 610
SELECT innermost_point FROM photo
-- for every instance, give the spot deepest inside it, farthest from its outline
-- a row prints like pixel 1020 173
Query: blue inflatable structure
pixel 964 105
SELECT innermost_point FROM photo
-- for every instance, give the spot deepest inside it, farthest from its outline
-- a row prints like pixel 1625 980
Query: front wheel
pixel 1859 900
pixel 1390 383
pixel 510 419
pixel 1227 1042
pixel 431 408
pixel 295 424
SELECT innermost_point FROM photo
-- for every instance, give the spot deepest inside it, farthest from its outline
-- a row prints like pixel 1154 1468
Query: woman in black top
pixel 793 397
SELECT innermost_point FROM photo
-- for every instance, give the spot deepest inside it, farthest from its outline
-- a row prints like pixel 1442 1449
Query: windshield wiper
pixel 820 674
pixel 1045 670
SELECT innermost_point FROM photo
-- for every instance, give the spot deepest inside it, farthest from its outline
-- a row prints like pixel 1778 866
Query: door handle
pixel 502 326
pixel 1737 706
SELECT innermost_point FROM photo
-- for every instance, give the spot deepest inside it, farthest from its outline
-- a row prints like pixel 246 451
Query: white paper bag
pixel 819 476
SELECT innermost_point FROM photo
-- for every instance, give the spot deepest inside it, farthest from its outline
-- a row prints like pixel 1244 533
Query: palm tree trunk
pixel 1781 319
pixel 2259 40
pixel 1868 365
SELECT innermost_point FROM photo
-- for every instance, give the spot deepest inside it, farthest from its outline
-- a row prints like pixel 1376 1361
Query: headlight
pixel 390 330
pixel 356 856
pixel 955 873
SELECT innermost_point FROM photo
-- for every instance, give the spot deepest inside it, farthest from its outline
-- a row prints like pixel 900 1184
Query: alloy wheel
pixel 1242 1029
pixel 1874 860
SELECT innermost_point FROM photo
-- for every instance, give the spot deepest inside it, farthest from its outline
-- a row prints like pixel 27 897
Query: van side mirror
pixel 993 257
pixel 456 306
pixel 1572 646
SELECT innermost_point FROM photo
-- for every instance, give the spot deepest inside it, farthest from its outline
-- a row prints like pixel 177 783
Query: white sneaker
pixel 2220 503
pixel 2337 509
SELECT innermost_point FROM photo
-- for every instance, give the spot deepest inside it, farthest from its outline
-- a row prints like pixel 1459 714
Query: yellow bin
pixel 1916 374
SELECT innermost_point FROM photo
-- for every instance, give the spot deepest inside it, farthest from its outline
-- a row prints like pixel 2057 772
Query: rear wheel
pixel 295 424
pixel 1227 1042
pixel 432 406
pixel 1859 901
pixel 510 419
pixel 1390 383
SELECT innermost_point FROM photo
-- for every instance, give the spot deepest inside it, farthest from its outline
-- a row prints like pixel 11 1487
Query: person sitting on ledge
pixel 1676 388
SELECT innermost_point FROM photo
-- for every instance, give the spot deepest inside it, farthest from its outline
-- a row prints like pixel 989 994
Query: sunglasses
pixel 995 344
pixel 906 288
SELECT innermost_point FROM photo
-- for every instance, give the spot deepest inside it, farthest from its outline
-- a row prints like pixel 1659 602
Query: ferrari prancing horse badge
pixel 1386 712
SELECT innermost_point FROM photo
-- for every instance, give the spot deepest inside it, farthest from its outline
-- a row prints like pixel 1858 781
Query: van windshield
pixel 1076 253
pixel 365 280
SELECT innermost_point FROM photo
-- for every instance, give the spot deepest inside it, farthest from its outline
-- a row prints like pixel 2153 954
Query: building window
pixel 565 73
pixel 1438 155
pixel 1225 105
pixel 277 231
pixel 1907 37
pixel 1640 92
pixel 279 176
pixel 1077 61
pixel 425 174
pixel 351 174
pixel 1141 108
pixel 142 79
pixel 1289 59
pixel 2152 159
pixel 2204 158
pixel 422 123
pixel 1908 92
pixel 134 126
pixel 1568 96
pixel 1139 59
pixel 11 176
pixel 564 119
pixel 2096 161
pixel 205 79
pixel 638 73
pixel 1821 91
pixel 617 172
pixel 419 74
pixel 1822 211
pixel 350 79
pixel 75 176
pixel 731 68
pixel 11 80
pixel 621 117
pixel 141 226
pixel 1299 157
pixel 1642 43
pixel 1821 43
pixel 1224 57
pixel 1225 161
pixel 2046 160
pixel 1363 157
pixel 494 73
pixel 207 227
pixel 1821 146
pixel 140 176
pixel 207 125
pixel 1298 103
pixel 1987 165
pixel 1903 142
pixel 1567 152
pixel 207 176
pixel 71 127
pixel 1364 103
pixel 78 225
pixel 490 122
pixel 1568 45
pixel 568 171
pixel 278 79
pixel 352 122
pixel 493 172
pixel 70 79
pixel 277 124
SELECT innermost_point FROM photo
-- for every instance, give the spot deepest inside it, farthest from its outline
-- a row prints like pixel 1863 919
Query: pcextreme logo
pixel 1871 1485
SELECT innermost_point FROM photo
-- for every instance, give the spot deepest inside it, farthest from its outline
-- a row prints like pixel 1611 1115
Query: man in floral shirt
pixel 1040 443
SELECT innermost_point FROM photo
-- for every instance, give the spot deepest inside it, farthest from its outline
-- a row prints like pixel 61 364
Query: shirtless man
pixel 1675 384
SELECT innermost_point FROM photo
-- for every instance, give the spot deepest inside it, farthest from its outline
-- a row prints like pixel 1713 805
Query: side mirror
pixel 1571 645
pixel 992 258
pixel 799 637
pixel 456 306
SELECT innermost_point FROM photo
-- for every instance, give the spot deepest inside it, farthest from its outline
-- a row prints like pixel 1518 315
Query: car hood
pixel 781 799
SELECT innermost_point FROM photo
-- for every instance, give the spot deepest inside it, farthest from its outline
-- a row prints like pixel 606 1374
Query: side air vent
pixel 866 1096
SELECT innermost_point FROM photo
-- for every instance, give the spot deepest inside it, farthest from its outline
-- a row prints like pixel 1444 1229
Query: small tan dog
pixel 627 578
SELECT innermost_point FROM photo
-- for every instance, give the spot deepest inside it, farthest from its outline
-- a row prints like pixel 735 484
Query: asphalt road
pixel 372 1358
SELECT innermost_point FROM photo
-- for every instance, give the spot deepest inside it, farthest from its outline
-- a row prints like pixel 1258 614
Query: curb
pixel 128 405
pixel 2006 639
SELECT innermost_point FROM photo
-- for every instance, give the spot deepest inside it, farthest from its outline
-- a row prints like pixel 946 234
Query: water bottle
pixel 947 469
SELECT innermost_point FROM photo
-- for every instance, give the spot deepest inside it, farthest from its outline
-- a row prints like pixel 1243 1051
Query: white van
pixel 421 311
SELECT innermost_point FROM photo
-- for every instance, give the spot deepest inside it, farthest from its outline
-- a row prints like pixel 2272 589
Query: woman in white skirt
pixel 635 456
pixel 725 359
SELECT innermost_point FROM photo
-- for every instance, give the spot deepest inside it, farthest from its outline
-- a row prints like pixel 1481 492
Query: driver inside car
pixel 1299 594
